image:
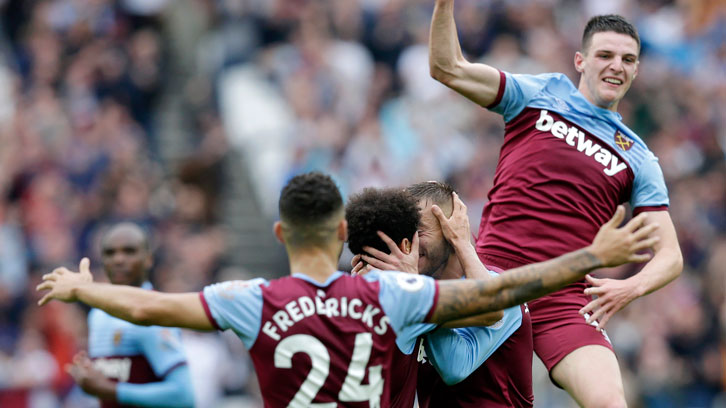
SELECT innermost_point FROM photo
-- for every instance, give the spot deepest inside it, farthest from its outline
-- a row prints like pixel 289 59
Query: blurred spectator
pixel 338 86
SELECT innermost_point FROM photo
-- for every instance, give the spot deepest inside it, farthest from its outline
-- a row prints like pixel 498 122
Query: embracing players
pixel 566 163
pixel 322 337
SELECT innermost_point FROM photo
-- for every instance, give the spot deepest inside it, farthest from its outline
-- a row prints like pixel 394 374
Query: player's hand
pixel 62 282
pixel 456 228
pixel 615 246
pixel 359 267
pixel 612 295
pixel 91 380
pixel 396 260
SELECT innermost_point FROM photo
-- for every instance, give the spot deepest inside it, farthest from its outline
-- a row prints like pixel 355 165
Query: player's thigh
pixel 591 375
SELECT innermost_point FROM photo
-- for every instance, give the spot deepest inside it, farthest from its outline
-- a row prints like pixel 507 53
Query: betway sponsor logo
pixel 576 138
pixel 116 368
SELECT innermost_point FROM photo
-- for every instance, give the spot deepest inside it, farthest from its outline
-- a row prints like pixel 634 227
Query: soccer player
pixel 322 337
pixel 455 353
pixel 131 365
pixel 566 163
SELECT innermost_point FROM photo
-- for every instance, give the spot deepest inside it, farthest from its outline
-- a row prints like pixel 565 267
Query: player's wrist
pixel 594 258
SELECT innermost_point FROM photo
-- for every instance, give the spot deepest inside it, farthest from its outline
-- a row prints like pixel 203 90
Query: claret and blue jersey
pixel 564 166
pixel 132 354
pixel 346 339
pixel 330 342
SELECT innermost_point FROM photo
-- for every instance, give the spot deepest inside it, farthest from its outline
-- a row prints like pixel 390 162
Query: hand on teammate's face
pixel 395 260
pixel 456 227
pixel 615 246
pixel 359 267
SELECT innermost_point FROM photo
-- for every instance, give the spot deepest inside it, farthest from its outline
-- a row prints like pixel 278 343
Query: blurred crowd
pixel 338 86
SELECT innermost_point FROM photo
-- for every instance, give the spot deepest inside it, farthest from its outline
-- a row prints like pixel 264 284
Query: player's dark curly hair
pixel 608 22
pixel 391 210
pixel 307 202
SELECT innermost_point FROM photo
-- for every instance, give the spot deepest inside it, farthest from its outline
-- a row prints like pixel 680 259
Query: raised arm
pixel 612 246
pixel 478 82
pixel 135 305
pixel 666 265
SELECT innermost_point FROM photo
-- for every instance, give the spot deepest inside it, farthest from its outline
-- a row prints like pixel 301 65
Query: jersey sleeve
pixel 456 353
pixel 235 305
pixel 649 189
pixel 162 347
pixel 408 300
pixel 173 391
pixel 518 90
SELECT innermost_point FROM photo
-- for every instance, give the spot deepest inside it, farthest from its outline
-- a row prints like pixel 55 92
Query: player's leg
pixel 591 375
pixel 580 359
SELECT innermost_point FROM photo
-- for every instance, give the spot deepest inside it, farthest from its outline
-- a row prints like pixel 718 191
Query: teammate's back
pixel 332 341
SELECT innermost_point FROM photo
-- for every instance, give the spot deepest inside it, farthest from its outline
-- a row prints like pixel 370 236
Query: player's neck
pixel 585 92
pixel 316 263
pixel 452 269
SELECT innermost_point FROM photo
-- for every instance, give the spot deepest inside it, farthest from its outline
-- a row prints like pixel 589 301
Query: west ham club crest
pixel 622 141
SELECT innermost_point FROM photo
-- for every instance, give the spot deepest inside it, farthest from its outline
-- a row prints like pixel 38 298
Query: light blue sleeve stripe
pixel 456 353
pixel 237 305
pixel 519 89
pixel 649 189
pixel 406 300
pixel 162 347
pixel 174 391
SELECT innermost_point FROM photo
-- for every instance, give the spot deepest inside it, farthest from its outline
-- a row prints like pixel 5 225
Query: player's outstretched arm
pixel 666 265
pixel 612 246
pixel 135 305
pixel 478 82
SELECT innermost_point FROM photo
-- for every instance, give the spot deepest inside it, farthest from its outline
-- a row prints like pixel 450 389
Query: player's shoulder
pixel 546 79
pixel 398 280
pixel 236 286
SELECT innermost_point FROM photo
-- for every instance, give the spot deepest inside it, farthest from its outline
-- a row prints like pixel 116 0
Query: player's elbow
pixel 140 315
pixel 148 313
pixel 444 72
pixel 440 74
pixel 677 263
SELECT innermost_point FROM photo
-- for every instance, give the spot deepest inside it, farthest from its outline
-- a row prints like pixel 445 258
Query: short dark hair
pixel 438 192
pixel 306 202
pixel 391 210
pixel 608 22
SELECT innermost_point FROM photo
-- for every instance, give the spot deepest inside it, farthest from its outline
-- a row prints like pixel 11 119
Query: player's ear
pixel 579 62
pixel 405 246
pixel 277 229
pixel 635 73
pixel 343 230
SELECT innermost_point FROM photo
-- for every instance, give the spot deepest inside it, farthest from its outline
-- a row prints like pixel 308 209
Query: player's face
pixel 125 258
pixel 608 67
pixel 434 250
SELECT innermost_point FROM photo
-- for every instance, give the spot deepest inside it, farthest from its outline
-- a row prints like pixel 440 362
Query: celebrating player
pixel 315 336
pixel 566 163
pixel 394 214
pixel 131 365
pixel 496 381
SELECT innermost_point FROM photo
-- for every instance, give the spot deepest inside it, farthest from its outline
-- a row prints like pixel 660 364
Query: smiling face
pixel 434 250
pixel 125 255
pixel 608 67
